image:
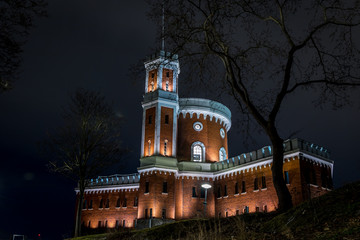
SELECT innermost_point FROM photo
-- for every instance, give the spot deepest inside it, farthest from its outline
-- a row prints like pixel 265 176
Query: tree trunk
pixel 282 191
pixel 78 212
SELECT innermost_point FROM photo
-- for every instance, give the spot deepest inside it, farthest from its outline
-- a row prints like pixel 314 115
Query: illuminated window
pixel 167 86
pixel 152 86
pixel 198 152
pixel 222 154
pixel 165 147
pixel 149 147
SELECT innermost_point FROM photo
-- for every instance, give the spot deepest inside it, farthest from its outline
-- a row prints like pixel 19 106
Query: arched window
pixel 149 147
pixel 165 147
pixel 198 152
pixel 167 86
pixel 222 154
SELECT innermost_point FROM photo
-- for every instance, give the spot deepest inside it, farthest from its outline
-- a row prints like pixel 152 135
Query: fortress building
pixel 184 145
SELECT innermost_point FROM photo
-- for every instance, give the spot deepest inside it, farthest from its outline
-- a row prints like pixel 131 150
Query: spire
pixel 163 29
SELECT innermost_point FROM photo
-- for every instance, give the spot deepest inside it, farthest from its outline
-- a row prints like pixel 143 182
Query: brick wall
pixel 166 130
pixel 149 131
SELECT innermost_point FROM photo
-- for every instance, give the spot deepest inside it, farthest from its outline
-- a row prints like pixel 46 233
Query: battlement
pixel 290 145
pixel 116 179
pixel 162 54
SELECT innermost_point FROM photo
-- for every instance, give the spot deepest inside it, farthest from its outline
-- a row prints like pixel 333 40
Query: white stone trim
pixel 157 169
pixel 109 188
pixel 143 133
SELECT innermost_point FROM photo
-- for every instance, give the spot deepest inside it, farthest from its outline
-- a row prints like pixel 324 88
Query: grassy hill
pixel 335 215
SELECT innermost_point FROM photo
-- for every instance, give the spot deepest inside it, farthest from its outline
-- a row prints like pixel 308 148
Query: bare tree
pixel 16 19
pixel 86 144
pixel 267 50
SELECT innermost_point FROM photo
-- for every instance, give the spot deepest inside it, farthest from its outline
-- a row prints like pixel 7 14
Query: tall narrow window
pixel 124 223
pixel 263 182
pixel 222 154
pixel 166 119
pixel 89 224
pixel 125 202
pixel 236 188
pixel 151 213
pixel 99 224
pixel 149 147
pixel 194 192
pixel 135 202
pixel 256 185
pixel 118 203
pixel 152 86
pixel 150 119
pixel 146 213
pixel 246 209
pixel 163 213
pixel 313 173
pixel 90 204
pixel 198 152
pixel 105 223
pixel 202 192
pixel 257 209
pixel 287 181
pixel 167 74
pixel 265 208
pixel 146 187
pixel 243 187
pixel 167 86
pixel 117 224
pixel 107 203
pixel 165 187
pixel 165 147
pixel 225 191
pixel 226 214
pixel 101 203
pixel 84 204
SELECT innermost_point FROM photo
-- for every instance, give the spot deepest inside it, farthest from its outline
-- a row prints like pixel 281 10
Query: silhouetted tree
pixel 86 144
pixel 16 19
pixel 267 50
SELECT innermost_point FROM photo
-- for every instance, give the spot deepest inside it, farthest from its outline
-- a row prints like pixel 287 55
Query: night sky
pixel 92 44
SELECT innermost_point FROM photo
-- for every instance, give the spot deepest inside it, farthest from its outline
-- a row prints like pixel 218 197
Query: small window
pixel 287 181
pixel 246 209
pixel 263 182
pixel 150 119
pixel 202 192
pixel 166 119
pixel 165 187
pixel 146 187
pixel 89 224
pixel 117 224
pixel 219 192
pixel 256 185
pixel 90 204
pixel 226 214
pixel 101 203
pixel 146 213
pixel 151 213
pixel 236 188
pixel 107 203
pixel 152 86
pixel 265 208
pixel 163 213
pixel 222 154
pixel 167 74
pixel 243 187
pixel 124 223
pixel 237 212
pixel 194 192
pixel 257 209
pixel 84 204
pixel 225 191
pixel 99 224
pixel 313 173
pixel 118 203
pixel 167 86
pixel 152 75
pixel 124 203
pixel 105 223
pixel 135 202
pixel 219 214
pixel 165 147
pixel 149 147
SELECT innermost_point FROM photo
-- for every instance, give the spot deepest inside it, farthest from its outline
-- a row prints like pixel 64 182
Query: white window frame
pixel 222 151
pixel 202 146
